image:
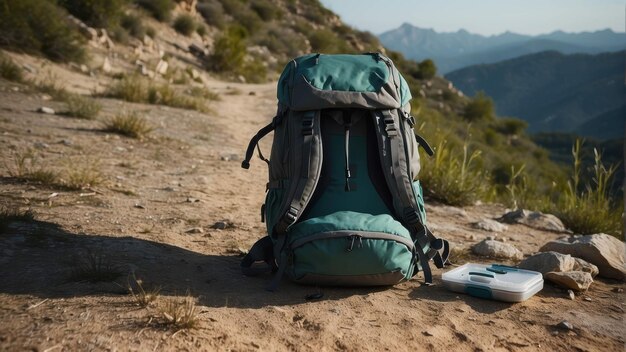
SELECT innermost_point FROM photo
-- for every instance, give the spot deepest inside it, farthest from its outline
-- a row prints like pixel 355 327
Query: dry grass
pixel 180 313
pixel 142 296
pixel 83 175
pixel 9 70
pixel 82 107
pixel 50 84
pixel 202 92
pixel 129 124
pixel 94 267
pixel 25 165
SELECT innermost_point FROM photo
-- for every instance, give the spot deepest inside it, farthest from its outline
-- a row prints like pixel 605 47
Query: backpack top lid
pixel 367 81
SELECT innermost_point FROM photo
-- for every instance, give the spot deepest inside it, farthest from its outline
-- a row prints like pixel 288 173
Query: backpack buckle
pixel 411 216
pixel 307 125
pixel 292 215
pixel 390 126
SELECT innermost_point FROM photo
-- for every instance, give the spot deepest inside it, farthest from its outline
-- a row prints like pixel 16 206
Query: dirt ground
pixel 155 214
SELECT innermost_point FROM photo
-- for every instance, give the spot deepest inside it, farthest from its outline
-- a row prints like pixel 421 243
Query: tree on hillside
pixel 426 69
pixel 479 108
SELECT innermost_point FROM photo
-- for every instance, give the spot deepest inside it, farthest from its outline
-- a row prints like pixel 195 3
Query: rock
pixel 41 145
pixel 106 65
pixel 453 211
pixel 29 68
pixel 194 230
pixel 617 289
pixel 575 280
pixel 565 325
pixel 194 74
pixel 84 68
pixel 220 225
pixel 581 265
pixel 161 67
pixel 139 206
pixel 571 295
pixel 602 250
pixel 534 219
pixel 491 248
pixel 198 50
pixel 192 200
pixel 587 299
pixel 490 225
pixel 46 110
pixel 546 262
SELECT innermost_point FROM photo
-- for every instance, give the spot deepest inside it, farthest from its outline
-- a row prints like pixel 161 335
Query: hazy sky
pixel 483 16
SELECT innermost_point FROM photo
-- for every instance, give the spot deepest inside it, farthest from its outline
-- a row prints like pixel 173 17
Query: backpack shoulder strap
pixel 390 127
pixel 306 155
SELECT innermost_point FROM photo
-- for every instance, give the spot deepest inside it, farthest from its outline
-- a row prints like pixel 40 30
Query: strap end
pixel 245 164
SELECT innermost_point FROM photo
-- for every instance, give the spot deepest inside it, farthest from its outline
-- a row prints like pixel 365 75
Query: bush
pixel 453 179
pixel 479 108
pixel 213 14
pixel 128 124
pixel 82 107
pixel 326 41
pixel 426 69
pixel 9 70
pixel 266 10
pixel 96 13
pixel 133 25
pixel 201 30
pixel 229 50
pixel 159 9
pixel 185 25
pixel 39 26
pixel 511 126
pixel 253 71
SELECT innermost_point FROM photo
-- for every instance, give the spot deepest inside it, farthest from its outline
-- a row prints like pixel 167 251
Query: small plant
pixel 426 69
pixel 25 166
pixel 202 92
pixel 130 88
pixel 83 175
pixel 229 50
pixel 479 108
pixel 133 25
pixel 50 84
pixel 213 14
pixel 94 267
pixel 588 208
pixel 82 107
pixel 129 124
pixel 159 9
pixel 201 30
pixel 180 314
pixel 142 296
pixel 96 13
pixel 454 180
pixel 184 24
pixel 9 70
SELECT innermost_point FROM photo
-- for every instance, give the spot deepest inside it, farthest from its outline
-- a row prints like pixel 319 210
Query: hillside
pixel 124 210
pixel 456 50
pixel 552 91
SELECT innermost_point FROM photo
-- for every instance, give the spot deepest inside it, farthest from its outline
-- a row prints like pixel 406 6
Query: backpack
pixel 342 207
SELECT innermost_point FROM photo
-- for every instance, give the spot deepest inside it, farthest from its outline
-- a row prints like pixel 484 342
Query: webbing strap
pixel 255 141
pixel 306 176
pixel 261 251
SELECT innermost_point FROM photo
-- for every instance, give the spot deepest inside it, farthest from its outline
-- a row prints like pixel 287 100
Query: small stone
pixel 555 333
pixel 192 200
pixel 170 189
pixel 252 93
pixel 46 110
pixel 120 149
pixel 587 299
pixel 29 68
pixel 565 325
pixel 161 67
pixel 139 206
pixel 495 249
pixel 195 230
pixel 427 333
pixel 534 219
pixel 617 290
pixel 571 295
pixel 46 97
pixel 220 225
pixel 575 280
pixel 41 145
pixel 84 68
pixel 66 142
pixel 106 65
pixel 581 265
pixel 490 225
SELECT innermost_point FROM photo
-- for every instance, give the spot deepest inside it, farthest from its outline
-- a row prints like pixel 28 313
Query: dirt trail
pixel 154 216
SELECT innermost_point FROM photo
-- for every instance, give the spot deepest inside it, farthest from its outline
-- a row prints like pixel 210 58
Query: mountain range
pixel 459 49
pixel 579 93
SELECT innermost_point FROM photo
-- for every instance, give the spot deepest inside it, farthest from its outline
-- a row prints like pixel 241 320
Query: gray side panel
pixel 307 97
pixel 386 279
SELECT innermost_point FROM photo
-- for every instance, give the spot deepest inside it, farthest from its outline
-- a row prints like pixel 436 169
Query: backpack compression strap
pixel 254 142
pixel 394 159
pixel 261 251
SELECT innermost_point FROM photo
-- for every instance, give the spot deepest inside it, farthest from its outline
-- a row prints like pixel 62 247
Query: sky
pixel 486 17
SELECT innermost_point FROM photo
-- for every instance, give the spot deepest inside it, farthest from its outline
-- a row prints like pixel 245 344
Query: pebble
pixel 617 289
pixel 587 299
pixel 195 230
pixel 220 225
pixel 571 295
pixel 139 206
pixel 192 200
pixel 565 325
pixel 46 110
pixel 41 145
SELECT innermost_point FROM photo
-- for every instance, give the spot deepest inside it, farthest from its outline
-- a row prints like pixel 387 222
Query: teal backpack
pixel 342 205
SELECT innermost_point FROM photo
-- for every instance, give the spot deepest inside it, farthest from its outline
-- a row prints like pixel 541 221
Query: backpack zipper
pixel 352 236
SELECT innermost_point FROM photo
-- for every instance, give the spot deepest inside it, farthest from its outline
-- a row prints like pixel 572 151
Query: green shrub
pixel 96 13
pixel 185 24
pixel 159 9
pixel 326 41
pixel 511 126
pixel 39 26
pixel 426 69
pixel 9 70
pixel 229 50
pixel 133 25
pixel 213 14
pixel 253 71
pixel 201 30
pixel 284 40
pixel 82 107
pixel 266 10
pixel 151 32
pixel 588 208
pixel 455 178
pixel 479 108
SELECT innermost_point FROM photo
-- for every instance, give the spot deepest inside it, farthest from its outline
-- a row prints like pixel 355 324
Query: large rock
pixel 575 280
pixel 534 219
pixel 546 262
pixel 490 225
pixel 581 265
pixel 605 251
pixel 492 248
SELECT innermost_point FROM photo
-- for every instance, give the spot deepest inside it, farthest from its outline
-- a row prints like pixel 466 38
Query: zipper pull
pixel 351 238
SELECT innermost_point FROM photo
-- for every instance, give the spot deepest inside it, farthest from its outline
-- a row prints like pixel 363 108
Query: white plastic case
pixel 498 282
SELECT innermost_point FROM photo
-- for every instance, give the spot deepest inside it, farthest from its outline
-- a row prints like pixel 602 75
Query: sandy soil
pixel 187 176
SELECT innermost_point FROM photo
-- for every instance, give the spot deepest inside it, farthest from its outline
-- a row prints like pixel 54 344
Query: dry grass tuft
pixel 82 107
pixel 142 296
pixel 180 313
pixel 83 175
pixel 94 267
pixel 129 124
